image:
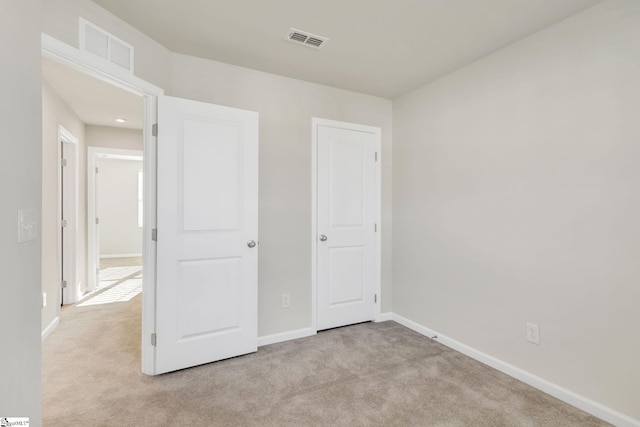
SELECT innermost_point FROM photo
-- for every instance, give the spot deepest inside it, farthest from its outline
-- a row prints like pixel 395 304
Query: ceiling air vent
pixel 99 42
pixel 307 39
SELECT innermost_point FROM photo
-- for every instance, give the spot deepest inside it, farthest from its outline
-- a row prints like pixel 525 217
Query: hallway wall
pixel 113 137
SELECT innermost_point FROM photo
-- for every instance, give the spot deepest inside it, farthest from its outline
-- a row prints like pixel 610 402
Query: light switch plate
pixel 27 225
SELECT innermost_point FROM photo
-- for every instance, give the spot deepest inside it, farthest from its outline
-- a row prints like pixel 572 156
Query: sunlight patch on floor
pixel 122 292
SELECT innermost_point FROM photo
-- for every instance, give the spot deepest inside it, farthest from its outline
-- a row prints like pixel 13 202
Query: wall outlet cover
pixel 533 333
pixel 286 300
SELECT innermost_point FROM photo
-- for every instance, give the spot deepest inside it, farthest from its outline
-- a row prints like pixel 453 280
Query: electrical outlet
pixel 533 333
pixel 44 299
pixel 286 300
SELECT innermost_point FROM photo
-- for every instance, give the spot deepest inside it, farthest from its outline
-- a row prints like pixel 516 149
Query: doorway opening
pixel 115 208
pixel 83 66
pixel 115 211
pixel 107 121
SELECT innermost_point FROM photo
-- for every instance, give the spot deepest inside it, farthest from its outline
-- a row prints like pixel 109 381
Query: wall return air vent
pixel 99 42
pixel 307 39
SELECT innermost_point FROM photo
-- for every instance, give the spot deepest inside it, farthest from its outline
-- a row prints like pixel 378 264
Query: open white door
pixel 95 229
pixel 347 230
pixel 207 254
pixel 71 287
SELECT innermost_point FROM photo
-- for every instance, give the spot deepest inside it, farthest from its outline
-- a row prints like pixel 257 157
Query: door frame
pixel 315 122
pixel 93 154
pixel 68 191
pixel 101 69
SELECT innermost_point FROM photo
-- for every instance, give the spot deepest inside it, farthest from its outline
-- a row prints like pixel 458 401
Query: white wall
pixel 20 120
pixel 113 137
pixel 286 107
pixel 118 207
pixel 515 186
pixel 55 112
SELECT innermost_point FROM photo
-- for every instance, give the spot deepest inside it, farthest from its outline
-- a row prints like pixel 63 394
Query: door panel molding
pixel 376 131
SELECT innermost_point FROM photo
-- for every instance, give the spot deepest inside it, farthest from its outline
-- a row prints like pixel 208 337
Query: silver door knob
pixel 323 238
pixel 251 244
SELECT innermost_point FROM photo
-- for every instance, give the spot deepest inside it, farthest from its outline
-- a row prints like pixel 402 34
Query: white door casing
pixel 347 223
pixel 207 254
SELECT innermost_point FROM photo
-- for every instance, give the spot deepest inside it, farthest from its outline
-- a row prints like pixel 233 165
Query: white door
pixel 96 220
pixel 207 254
pixel 346 236
pixel 70 288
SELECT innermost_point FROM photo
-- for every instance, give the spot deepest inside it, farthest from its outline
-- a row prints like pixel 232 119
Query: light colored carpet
pixel 364 375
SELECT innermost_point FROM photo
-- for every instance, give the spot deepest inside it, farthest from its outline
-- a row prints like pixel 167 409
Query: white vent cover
pixel 307 39
pixel 99 42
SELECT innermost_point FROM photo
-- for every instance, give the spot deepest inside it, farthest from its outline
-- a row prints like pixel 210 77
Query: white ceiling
pixel 94 102
pixel 380 47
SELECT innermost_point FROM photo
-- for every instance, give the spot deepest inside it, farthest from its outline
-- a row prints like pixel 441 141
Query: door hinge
pixel 375 298
pixel 154 129
pixel 376 157
pixel 63 223
pixel 63 284
pixel 153 339
pixel 97 221
pixel 375 227
pixel 64 162
pixel 154 234
pixel 96 169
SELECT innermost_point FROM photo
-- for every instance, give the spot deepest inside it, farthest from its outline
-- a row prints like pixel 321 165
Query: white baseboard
pixel 385 317
pixel 50 328
pixel 594 408
pixel 285 336
pixel 120 256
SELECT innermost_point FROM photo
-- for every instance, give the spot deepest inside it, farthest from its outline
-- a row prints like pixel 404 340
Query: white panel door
pixel 207 254
pixel 71 286
pixel 96 221
pixel 346 226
